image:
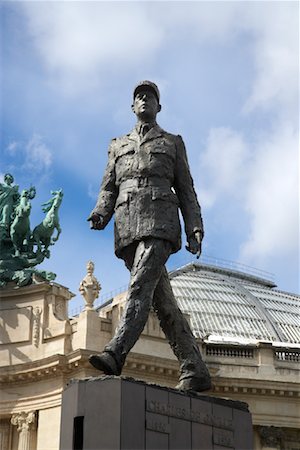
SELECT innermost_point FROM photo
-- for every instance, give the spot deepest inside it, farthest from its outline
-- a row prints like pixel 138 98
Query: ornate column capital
pixel 270 436
pixel 24 420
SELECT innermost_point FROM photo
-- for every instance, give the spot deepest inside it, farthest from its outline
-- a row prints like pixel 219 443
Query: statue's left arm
pixel 188 202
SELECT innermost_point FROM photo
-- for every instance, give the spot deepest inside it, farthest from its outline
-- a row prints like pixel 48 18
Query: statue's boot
pixel 195 383
pixel 105 362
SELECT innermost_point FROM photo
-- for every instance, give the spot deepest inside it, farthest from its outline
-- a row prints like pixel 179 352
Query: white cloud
pixel 38 156
pixel 222 165
pixel 81 43
pixel 273 198
pixel 34 155
pixel 261 179
pixel 13 147
pixel 92 192
pixel 276 58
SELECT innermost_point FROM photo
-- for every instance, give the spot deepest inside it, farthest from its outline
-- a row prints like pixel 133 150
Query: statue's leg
pixel 6 219
pixel 179 335
pixel 149 259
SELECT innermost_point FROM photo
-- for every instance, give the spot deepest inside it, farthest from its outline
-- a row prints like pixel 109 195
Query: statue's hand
pixel 194 243
pixel 96 221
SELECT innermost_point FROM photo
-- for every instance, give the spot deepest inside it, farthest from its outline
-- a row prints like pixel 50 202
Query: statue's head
pixel 146 100
pixel 31 192
pixel 8 178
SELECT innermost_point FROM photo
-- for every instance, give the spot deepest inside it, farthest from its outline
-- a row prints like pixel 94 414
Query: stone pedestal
pixel 119 413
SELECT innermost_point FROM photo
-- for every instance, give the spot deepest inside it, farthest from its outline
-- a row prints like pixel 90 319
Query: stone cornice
pixel 56 365
pixel 12 291
pixel 248 388
pixel 154 368
pixel 30 371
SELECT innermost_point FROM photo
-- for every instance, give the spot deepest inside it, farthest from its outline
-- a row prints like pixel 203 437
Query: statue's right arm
pixel 104 209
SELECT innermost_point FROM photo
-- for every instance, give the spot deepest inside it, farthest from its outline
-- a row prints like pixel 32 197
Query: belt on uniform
pixel 134 183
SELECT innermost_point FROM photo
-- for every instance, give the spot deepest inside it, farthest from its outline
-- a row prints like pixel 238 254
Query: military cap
pixel 146 84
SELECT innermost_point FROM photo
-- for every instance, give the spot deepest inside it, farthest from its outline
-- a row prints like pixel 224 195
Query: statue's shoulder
pixel 120 140
pixel 171 136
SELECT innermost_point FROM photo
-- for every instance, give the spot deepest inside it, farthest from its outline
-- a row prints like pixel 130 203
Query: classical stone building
pixel 248 332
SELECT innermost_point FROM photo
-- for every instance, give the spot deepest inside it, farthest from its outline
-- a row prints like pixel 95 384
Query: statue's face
pixel 31 193
pixel 9 179
pixel 146 105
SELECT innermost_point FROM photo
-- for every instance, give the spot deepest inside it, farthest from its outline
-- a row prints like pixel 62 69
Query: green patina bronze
pixel 21 249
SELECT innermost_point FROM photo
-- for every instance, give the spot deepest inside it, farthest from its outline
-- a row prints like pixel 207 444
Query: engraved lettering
pixel 170 410
pixel 156 425
pixel 223 438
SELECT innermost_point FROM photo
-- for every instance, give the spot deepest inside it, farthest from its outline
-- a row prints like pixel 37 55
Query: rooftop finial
pixel 89 287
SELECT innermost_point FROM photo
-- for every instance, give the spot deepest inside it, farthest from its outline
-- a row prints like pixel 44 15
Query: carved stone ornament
pixel 89 287
pixel 24 420
pixel 270 436
pixel 36 326
pixel 60 308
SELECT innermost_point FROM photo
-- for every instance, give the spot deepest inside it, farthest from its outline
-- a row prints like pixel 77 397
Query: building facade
pixel 248 332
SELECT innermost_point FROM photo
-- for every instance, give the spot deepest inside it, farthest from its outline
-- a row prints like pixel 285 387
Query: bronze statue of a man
pixel 147 179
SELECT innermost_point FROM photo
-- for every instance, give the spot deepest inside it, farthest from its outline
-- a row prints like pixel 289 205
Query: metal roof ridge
pixel 231 273
pixel 238 340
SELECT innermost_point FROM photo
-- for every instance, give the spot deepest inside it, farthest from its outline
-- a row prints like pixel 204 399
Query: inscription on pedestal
pixel 154 422
pixel 223 438
pixel 191 415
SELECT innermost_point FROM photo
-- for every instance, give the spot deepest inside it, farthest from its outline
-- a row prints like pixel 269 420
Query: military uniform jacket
pixel 145 182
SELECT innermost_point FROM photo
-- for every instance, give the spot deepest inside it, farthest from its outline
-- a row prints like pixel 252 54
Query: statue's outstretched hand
pixel 194 243
pixel 96 221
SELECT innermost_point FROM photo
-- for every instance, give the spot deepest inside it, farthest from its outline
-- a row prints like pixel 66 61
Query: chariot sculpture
pixel 21 249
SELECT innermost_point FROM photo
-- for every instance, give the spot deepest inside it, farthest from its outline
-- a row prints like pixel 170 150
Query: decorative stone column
pixel 89 287
pixel 270 438
pixel 4 434
pixel 26 423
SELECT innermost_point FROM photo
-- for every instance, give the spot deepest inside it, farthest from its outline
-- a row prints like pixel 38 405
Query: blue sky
pixel 228 76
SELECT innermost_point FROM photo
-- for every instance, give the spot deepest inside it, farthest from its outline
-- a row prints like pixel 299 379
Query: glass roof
pixel 228 303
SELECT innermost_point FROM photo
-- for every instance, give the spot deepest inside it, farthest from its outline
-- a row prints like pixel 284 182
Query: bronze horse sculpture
pixel 42 233
pixel 20 227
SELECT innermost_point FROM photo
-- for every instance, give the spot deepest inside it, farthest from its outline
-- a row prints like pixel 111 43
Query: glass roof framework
pixel 232 304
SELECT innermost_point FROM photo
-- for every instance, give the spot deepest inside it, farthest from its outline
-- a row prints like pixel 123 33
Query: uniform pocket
pixel 125 149
pixel 161 194
pixel 163 148
pixel 122 199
